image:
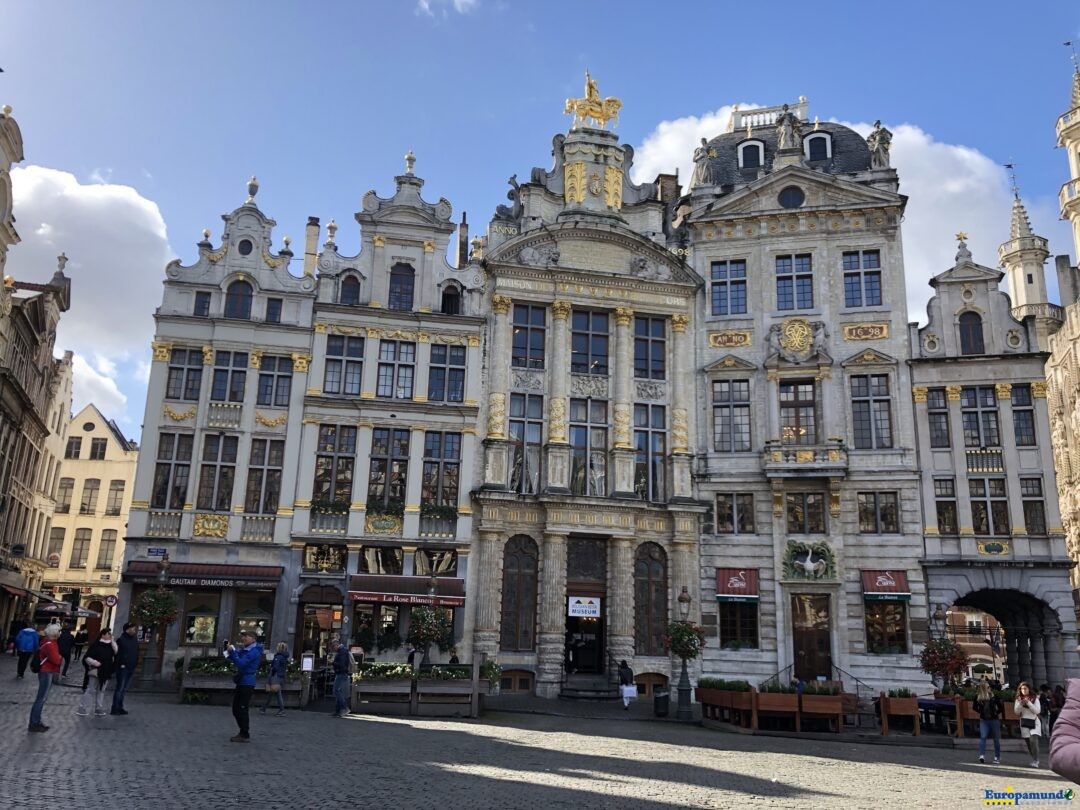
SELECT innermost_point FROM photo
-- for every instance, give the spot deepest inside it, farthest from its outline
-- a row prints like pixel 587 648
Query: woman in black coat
pixel 98 662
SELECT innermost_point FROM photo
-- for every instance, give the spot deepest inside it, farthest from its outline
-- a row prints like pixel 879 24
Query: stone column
pixel 1055 661
pixel 552 647
pixel 1068 651
pixel 622 411
pixel 1012 657
pixel 1003 392
pixel 318 360
pixel 1038 654
pixel 772 400
pixel 414 483
pixel 682 408
pixel 1023 654
pixel 558 448
pixel 361 474
pixel 487 593
pixel 620 603
pixel 496 456
pixel 422 367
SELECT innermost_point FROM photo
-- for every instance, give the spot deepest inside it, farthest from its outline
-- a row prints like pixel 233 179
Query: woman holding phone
pixel 1028 710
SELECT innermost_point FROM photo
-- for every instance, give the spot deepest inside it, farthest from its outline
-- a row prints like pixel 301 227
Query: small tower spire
pixel 1023 257
pixel 1076 74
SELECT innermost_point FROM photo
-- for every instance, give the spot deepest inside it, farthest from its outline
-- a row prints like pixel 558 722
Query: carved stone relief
pixel 527 380
pixel 650 390
pixel 589 385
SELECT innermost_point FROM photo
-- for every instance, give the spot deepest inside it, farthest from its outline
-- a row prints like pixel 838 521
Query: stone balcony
pixel 1069 193
pixel 1016 548
pixel 224 415
pixel 163 524
pixel 257 528
pixel 438 528
pixel 829 460
pixel 328 522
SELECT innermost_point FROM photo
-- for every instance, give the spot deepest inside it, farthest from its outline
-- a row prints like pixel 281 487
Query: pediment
pixel 729 362
pixel 967 271
pixel 869 357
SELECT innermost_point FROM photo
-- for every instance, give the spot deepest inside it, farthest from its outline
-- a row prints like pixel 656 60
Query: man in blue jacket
pixel 247 657
pixel 342 668
pixel 26 644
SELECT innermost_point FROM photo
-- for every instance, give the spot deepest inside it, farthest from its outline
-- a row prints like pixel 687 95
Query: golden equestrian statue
pixel 592 106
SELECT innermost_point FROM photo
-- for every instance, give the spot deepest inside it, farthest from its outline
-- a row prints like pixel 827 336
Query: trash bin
pixel 661 702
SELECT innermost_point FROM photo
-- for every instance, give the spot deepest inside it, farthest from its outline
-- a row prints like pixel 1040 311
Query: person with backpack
pixel 98 664
pixel 276 681
pixel 247 657
pixel 991 711
pixel 46 663
pixel 342 668
pixel 26 644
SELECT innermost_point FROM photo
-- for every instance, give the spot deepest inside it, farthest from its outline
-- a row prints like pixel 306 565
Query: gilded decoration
pixel 429 246
pixel 621 420
pixel 796 335
pixel 834 503
pixel 809 560
pixel 918 392
pixel 575 182
pixel 375 523
pixel 300 361
pixel 1003 390
pixel 271 262
pixel 211 526
pixel 557 420
pixel 496 415
pixel 162 351
pixel 1038 389
pixel 592 107
pixel 613 187
pixel 271 422
pixel 680 431
pixel 952 392
pixel 679 322
pixel 777 500
pixel 994 547
pixel 208 355
pixel 730 339
pixel 500 304
pixel 255 358
pixel 623 316
pixel 378 240
pixel 179 416
pixel 560 310
pixel 320 328
pixel 216 256
pixel 866 331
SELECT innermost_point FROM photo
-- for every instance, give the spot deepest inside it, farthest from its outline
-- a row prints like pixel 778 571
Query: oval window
pixel 244 247
pixel 791 197
pixel 88 427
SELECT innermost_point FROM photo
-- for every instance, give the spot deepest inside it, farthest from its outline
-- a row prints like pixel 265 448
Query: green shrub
pixel 776 688
pixel 726 686
pixel 491 670
pixel 383 670
pixel 820 688
pixel 901 693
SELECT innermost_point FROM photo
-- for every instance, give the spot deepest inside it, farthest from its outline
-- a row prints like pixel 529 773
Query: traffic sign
pixel 110 600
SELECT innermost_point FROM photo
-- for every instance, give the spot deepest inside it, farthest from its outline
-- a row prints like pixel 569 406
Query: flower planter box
pixel 830 706
pixel 720 704
pixel 777 703
pixel 383 689
pixel 899 707
pixel 221 686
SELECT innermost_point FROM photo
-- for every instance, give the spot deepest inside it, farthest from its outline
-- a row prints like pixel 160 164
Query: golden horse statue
pixel 593 107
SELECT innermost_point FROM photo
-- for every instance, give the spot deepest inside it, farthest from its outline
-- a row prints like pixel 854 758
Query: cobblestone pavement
pixel 167 755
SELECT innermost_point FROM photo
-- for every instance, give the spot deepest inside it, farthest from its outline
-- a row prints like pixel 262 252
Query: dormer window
pixel 402 278
pixel 238 301
pixel 971 334
pixel 451 300
pixel 751 155
pixel 818 146
pixel 350 291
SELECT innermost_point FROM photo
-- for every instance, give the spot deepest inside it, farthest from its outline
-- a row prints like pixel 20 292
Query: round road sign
pixel 110 600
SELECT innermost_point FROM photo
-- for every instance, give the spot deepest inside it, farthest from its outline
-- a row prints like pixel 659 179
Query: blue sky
pixel 168 108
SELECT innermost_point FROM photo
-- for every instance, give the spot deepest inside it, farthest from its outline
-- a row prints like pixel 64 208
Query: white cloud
pixel 428 7
pixel 102 176
pixel 671 145
pixel 118 248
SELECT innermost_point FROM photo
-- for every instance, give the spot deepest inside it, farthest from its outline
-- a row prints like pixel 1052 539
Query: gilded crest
pixel 796 335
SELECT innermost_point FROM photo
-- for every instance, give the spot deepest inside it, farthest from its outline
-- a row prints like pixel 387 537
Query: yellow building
pixel 93 497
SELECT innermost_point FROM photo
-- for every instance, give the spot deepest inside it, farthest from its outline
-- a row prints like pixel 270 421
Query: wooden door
pixel 811 636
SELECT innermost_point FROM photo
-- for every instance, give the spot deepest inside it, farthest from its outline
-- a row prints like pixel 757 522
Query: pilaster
pixel 551 649
pixel 622 454
pixel 488 592
pixel 620 602
pixel 414 483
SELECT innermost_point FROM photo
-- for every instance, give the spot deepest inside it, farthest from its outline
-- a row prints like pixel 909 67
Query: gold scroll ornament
pixel 613 187
pixel 211 526
pixel 680 431
pixel 796 335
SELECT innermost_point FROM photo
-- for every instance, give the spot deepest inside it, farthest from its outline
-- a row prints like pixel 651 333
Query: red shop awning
pixel 881 586
pixel 205 575
pixel 736 585
pixel 402 590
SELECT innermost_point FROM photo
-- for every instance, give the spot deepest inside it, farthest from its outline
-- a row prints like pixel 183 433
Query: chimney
pixel 1068 281
pixel 667 187
pixel 463 241
pixel 311 245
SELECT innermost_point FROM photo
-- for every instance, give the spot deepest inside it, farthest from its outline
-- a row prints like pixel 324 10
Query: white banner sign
pixel 583 606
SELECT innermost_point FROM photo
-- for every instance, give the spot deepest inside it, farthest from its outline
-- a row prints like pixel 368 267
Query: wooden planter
pixel 293 692
pixel 383 689
pixel 720 704
pixel 777 703
pixel 899 707
pixel 831 706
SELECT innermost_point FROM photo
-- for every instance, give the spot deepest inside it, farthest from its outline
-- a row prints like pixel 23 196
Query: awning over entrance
pixel 880 586
pixel 205 575
pixel 401 590
pixel 15 591
pixel 736 585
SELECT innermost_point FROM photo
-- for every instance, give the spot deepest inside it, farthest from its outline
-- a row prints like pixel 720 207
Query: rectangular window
pixel 116 497
pixel 80 549
pixel 738 625
pixel 1031 490
pixel 879 513
pixel 650 348
pixel 217 473
pixel 862 278
pixel 201 617
pixel 529 331
pixel 202 304
pixel 172 470
pixel 344 365
pixel 397 363
pixel 97 449
pixel 978 410
pixel 728 289
pixel 871 411
pixel 588 446
pixel 56 543
pixel 731 416
pixel 389 471
pixel 74 447
pixel 937 407
pixel 64 491
pixel 273 310
pixel 650 452
pixel 106 550
pixel 945 500
pixel 230 375
pixel 886 627
pixel 794 282
pixel 275 382
pixel 446 374
pixel 589 342
pixel 88 504
pixel 334 461
pixel 526 433
pixel 442 469
pixel 254 614
pixel 805 512
pixel 185 375
pixel 798 412
pixel 1023 408
pixel 735 513
pixel 989 506
pixel 264 476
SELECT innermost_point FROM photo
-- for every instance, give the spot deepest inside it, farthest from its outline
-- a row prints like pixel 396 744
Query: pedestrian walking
pixel 1057 703
pixel 627 689
pixel 1046 701
pixel 98 662
pixel 81 637
pixel 1065 738
pixel 66 643
pixel 26 643
pixel 342 668
pixel 991 712
pixel 247 656
pixel 276 682
pixel 1028 709
pixel 17 624
pixel 127 658
pixel 48 658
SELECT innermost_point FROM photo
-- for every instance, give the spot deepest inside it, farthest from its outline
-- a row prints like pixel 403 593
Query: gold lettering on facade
pixel 730 339
pixel 866 331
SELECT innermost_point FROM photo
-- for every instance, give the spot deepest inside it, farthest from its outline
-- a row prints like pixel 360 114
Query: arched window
pixel 750 156
pixel 402 278
pixel 650 599
pixel 971 334
pixel 451 300
pixel 817 147
pixel 350 290
pixel 518 627
pixel 238 301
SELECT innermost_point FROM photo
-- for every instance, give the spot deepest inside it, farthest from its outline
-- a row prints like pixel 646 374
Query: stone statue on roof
pixel 880 142
pixel 788 130
pixel 702 167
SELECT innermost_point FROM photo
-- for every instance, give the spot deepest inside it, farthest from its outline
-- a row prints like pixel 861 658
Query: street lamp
pixel 938 620
pixel 149 669
pixel 433 583
pixel 683 712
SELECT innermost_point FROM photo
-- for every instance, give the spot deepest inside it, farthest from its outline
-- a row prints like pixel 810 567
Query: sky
pixel 143 121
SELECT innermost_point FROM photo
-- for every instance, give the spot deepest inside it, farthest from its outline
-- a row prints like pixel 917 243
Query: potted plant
pixel 899 703
pixel 492 672
pixel 382 681
pixel 429 626
pixel 823 699
pixel 774 696
pixel 156 609
pixel 945 660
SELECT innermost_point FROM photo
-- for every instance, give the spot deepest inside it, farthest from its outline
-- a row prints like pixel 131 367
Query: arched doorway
pixel 319 620
pixel 93 623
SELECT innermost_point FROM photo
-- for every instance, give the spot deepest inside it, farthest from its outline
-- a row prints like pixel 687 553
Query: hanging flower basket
pixel 155 608
pixel 684 639
pixel 945 659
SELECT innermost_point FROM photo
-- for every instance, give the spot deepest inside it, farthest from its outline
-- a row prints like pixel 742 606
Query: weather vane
pixel 1012 177
pixel 1072 47
pixel 961 236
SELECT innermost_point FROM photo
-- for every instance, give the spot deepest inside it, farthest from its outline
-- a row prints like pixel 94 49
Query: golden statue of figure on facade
pixel 599 110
